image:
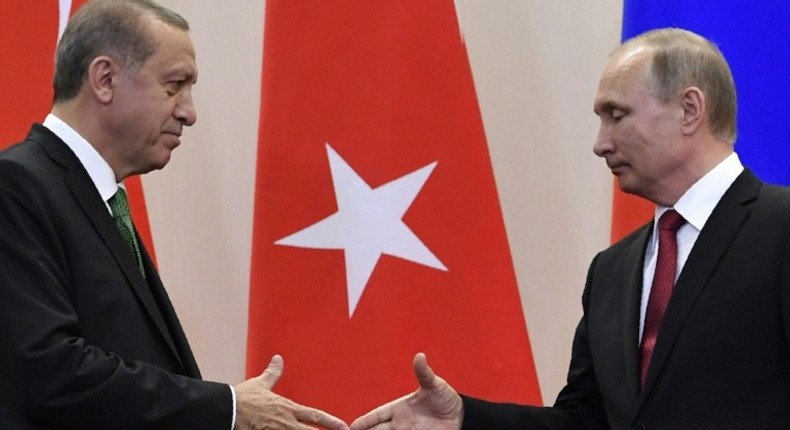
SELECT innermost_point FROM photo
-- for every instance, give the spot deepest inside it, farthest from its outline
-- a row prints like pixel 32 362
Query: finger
pixel 311 415
pixel 376 417
pixel 272 374
pixel 423 372
pixel 362 423
pixel 300 426
pixel 382 426
pixel 369 421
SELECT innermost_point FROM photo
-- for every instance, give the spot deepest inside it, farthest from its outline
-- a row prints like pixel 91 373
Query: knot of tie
pixel 670 221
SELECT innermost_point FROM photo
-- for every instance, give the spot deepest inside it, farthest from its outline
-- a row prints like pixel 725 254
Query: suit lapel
pixel 714 239
pixel 178 340
pixel 633 268
pixel 84 192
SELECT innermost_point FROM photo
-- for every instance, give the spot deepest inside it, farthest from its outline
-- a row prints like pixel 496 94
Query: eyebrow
pixel 606 106
pixel 181 70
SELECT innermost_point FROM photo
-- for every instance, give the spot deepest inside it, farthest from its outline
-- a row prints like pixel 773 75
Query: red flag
pixel 628 213
pixel 378 231
pixel 29 34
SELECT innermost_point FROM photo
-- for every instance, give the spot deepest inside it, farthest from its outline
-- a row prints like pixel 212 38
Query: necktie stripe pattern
pixel 663 282
pixel 119 205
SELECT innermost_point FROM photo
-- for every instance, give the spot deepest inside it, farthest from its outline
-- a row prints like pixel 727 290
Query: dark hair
pixel 106 27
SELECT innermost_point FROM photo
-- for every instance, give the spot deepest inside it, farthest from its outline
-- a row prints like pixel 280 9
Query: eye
pixel 174 87
pixel 617 114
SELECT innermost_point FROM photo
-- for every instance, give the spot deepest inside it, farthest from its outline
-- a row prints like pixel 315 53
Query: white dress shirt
pixel 695 206
pixel 99 171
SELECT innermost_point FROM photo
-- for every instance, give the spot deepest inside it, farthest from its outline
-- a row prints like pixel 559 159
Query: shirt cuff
pixel 233 396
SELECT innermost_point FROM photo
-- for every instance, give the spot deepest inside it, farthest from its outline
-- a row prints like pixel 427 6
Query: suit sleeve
pixel 49 373
pixel 578 406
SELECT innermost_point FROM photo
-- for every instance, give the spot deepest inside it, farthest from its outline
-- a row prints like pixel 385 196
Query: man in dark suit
pixel 686 328
pixel 88 336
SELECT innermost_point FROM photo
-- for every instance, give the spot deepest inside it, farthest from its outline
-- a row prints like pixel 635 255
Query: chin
pixel 161 161
pixel 160 166
pixel 626 186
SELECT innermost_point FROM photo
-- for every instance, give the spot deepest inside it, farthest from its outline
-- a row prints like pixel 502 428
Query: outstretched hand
pixel 434 406
pixel 258 407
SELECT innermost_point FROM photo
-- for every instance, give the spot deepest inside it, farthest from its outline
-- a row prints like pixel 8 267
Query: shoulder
pixel 29 174
pixel 771 209
pixel 634 242
pixel 777 194
pixel 749 189
pixel 771 200
pixel 40 156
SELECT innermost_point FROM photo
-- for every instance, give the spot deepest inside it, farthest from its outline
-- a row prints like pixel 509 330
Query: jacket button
pixel 638 426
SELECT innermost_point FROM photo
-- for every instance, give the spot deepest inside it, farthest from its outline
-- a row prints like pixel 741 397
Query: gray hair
pixel 681 59
pixel 106 27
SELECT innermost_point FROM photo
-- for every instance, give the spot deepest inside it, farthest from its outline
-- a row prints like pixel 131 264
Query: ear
pixel 692 101
pixel 102 78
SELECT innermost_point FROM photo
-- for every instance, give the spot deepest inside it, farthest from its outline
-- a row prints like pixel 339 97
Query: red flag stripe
pixel 628 213
pixel 387 85
pixel 29 32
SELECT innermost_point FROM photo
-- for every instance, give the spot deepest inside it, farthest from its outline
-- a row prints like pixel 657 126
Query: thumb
pixel 272 374
pixel 423 372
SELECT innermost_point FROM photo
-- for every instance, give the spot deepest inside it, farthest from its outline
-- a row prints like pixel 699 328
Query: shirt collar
pixel 698 202
pixel 97 167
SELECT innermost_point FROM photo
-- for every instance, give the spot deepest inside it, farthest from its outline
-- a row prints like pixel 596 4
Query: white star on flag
pixel 368 223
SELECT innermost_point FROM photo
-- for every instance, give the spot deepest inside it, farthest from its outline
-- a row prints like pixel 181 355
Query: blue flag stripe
pixel 755 38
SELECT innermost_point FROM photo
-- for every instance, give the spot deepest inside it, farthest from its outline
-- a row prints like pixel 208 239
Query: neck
pixel 84 121
pixel 699 164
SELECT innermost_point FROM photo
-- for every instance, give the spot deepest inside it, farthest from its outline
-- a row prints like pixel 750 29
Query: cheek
pixel 626 138
pixel 639 137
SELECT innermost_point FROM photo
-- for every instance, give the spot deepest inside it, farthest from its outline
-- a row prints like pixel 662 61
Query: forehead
pixel 173 49
pixel 623 76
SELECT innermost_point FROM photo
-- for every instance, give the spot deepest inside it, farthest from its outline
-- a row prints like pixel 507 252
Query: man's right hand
pixel 434 406
pixel 258 407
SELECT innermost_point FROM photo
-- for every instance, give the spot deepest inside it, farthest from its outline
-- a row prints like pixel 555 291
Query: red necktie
pixel 663 281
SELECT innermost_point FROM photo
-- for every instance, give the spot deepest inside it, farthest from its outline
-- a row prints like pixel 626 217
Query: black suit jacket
pixel 86 342
pixel 722 360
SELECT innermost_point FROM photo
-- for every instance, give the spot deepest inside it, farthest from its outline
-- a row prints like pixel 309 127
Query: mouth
pixel 174 131
pixel 617 168
pixel 175 139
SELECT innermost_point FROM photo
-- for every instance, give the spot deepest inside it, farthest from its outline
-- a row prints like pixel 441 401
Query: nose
pixel 185 109
pixel 603 142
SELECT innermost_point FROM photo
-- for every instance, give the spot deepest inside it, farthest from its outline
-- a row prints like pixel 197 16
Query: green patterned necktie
pixel 123 220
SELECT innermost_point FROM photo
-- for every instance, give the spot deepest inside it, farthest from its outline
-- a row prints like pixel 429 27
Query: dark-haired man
pixel 88 336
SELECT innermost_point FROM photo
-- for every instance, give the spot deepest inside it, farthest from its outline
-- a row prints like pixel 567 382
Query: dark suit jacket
pixel 722 360
pixel 86 342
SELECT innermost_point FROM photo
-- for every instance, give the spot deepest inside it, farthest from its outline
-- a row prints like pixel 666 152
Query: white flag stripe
pixel 535 66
